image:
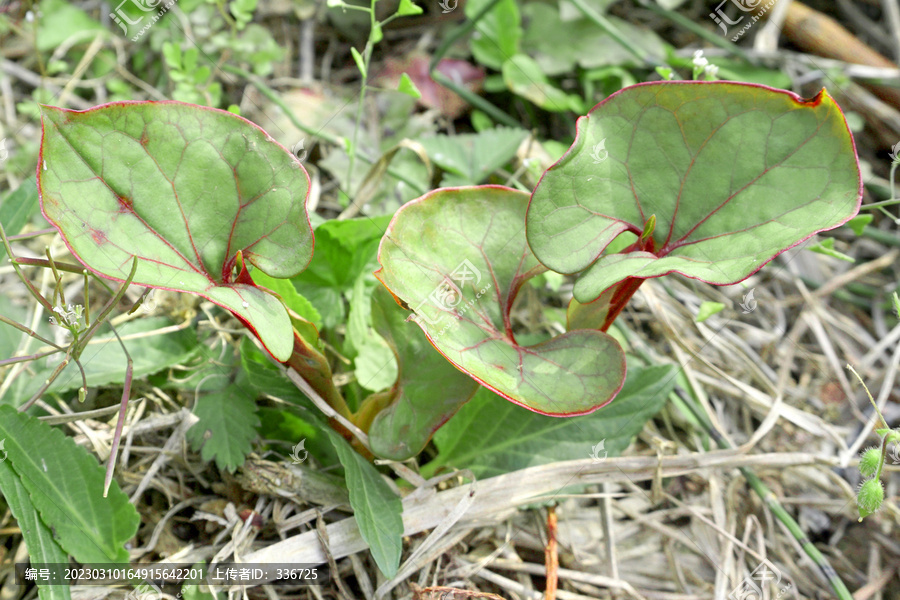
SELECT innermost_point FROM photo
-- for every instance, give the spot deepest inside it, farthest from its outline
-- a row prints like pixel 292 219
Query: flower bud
pixel 870 461
pixel 871 495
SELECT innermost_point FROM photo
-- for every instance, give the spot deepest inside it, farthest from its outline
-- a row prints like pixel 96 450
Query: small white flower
pixel 700 61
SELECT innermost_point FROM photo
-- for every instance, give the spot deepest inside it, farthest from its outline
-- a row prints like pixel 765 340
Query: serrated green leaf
pixel 734 173
pixel 376 507
pixel 65 485
pixel 473 157
pixel 227 426
pixel 493 437
pixel 185 190
pixel 16 209
pixel 708 309
pixel 39 542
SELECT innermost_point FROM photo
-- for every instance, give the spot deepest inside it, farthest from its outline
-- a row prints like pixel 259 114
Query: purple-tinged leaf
pixel 186 189
pixel 458 257
pixel 734 173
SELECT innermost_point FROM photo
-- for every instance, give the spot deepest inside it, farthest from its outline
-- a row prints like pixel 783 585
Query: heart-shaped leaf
pixel 733 173
pixel 185 189
pixel 428 390
pixel 458 257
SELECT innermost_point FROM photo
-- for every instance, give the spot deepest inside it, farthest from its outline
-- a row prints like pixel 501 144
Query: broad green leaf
pixel 65 484
pixel 427 392
pixel 290 296
pixel 185 189
pixel 458 258
pixel 558 46
pixel 16 209
pixel 227 426
pixel 105 362
pixel 375 367
pixel 470 158
pixel 523 77
pixel 344 250
pixel 39 542
pixel 492 437
pixel 61 20
pixel 498 33
pixel 376 507
pixel 734 173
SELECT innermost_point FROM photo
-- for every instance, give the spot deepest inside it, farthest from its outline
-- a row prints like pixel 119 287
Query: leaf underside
pixel 428 391
pixel 734 173
pixel 185 189
pixel 458 257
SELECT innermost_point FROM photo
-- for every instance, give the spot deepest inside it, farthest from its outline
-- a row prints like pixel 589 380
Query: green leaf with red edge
pixel 185 189
pixel 428 390
pixel 458 257
pixel 734 173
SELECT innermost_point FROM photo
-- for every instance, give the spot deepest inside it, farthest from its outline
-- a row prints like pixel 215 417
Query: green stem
pixel 272 96
pixel 461 90
pixel 367 55
pixel 767 496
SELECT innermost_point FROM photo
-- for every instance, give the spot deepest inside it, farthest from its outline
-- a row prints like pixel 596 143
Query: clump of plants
pixel 710 180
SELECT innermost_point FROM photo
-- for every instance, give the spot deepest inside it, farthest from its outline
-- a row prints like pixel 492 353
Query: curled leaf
pixel 457 258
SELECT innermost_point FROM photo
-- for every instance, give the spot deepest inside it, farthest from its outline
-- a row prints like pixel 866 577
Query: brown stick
pixel 820 34
pixel 551 555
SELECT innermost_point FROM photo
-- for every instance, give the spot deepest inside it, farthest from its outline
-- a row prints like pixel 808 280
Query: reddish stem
pixel 624 291
pixel 626 288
